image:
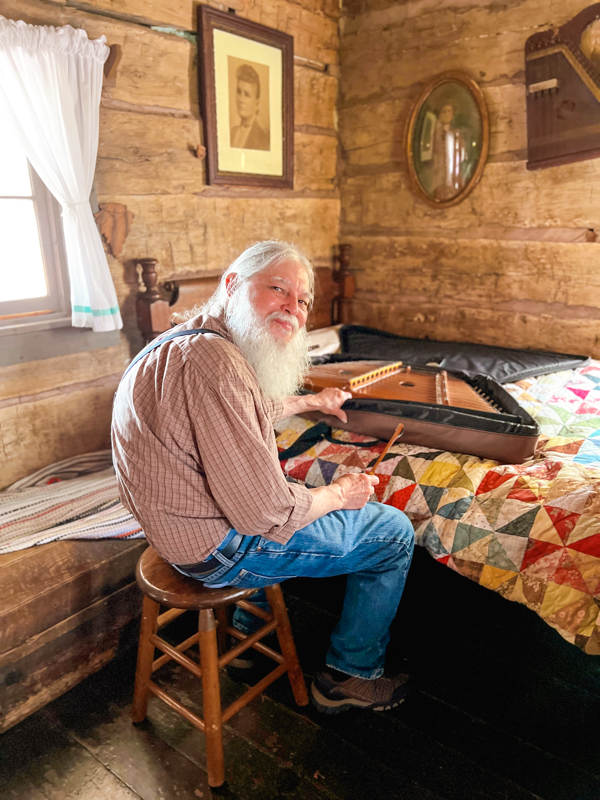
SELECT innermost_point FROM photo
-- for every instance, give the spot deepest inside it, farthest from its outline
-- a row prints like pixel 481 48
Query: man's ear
pixel 231 283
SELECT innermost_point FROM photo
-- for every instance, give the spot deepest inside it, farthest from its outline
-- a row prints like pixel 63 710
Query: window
pixel 34 284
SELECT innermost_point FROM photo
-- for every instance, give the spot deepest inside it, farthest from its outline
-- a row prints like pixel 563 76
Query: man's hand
pixel 329 401
pixel 349 492
pixel 356 488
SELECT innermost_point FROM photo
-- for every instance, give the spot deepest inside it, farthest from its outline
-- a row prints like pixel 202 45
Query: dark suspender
pixel 167 338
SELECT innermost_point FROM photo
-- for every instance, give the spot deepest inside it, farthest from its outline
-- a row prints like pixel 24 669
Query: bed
pixel 530 532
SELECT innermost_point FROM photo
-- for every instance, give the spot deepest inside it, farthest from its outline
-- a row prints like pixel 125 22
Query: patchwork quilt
pixel 529 532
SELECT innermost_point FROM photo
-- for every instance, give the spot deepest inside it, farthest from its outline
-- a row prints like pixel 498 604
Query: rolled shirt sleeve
pixel 275 408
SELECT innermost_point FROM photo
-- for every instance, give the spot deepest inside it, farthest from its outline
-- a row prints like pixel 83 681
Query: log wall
pixel 150 129
pixel 509 265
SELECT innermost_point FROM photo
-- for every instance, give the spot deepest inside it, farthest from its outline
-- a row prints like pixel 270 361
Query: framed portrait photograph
pixel 246 79
pixel 447 139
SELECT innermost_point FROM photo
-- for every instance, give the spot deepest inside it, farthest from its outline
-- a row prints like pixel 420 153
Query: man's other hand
pixel 356 488
pixel 330 401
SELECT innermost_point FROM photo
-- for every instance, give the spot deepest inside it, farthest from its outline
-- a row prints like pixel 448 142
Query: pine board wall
pixel 149 131
pixel 500 267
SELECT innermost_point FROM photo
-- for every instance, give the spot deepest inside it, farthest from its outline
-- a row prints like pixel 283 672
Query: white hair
pixel 255 259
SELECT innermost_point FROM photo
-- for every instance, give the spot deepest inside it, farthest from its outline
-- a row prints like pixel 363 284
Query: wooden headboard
pixel 334 289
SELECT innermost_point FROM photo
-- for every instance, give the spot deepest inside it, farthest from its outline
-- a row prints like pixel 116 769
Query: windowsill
pixel 35 325
pixel 49 338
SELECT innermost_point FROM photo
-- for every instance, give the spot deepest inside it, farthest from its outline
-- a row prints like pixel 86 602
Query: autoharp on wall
pixel 562 74
pixel 440 409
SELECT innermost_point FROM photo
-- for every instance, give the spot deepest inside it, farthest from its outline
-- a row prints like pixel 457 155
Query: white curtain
pixel 50 85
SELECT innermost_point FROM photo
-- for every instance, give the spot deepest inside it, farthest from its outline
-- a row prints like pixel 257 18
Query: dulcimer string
pixel 396 381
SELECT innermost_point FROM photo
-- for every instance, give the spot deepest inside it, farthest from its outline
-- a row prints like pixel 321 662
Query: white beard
pixel 280 366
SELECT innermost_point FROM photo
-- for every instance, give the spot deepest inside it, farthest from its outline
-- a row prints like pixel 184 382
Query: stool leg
pixel 286 642
pixel 209 662
pixel 145 658
pixel 222 623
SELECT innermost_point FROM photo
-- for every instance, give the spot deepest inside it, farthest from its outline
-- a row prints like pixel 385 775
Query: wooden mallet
pixel 395 435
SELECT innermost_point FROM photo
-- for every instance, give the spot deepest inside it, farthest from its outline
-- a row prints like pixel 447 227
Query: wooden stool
pixel 163 585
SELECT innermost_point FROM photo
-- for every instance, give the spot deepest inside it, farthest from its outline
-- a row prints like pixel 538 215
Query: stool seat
pixel 165 585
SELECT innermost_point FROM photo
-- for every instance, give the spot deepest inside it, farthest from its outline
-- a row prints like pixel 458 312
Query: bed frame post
pixel 345 280
pixel 152 311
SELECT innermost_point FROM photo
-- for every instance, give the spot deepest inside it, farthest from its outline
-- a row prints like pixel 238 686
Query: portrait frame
pixel 447 139
pixel 258 149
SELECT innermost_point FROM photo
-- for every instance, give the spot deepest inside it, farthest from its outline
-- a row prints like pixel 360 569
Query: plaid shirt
pixel 194 448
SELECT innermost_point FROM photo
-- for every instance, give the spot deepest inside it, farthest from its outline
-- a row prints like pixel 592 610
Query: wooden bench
pixel 67 608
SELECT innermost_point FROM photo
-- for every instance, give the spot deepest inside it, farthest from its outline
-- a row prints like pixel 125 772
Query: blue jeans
pixel 373 546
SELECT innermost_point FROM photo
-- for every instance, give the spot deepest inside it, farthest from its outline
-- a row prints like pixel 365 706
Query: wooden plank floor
pixel 476 728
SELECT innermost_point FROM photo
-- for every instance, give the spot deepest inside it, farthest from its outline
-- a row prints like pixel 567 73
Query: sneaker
pixel 245 660
pixel 249 658
pixel 381 694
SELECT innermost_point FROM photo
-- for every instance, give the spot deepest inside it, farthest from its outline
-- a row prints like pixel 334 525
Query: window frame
pixel 25 315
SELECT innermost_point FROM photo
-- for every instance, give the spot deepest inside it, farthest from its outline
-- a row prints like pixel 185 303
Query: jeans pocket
pixel 251 580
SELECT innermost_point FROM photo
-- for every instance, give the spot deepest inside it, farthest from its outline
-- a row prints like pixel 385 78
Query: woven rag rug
pixel 76 498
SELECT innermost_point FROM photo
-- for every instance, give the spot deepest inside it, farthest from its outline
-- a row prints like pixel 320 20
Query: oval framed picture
pixel 447 139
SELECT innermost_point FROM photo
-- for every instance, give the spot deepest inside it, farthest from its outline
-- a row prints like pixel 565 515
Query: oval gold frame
pixel 452 76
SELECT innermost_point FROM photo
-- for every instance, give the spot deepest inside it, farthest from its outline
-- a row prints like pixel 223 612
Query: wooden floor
pixel 494 716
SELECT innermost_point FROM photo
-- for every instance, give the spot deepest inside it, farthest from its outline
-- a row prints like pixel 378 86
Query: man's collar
pixel 214 323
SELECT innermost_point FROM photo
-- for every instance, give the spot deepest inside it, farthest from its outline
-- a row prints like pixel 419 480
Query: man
pixel 248 134
pixel 197 464
pixel 449 155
